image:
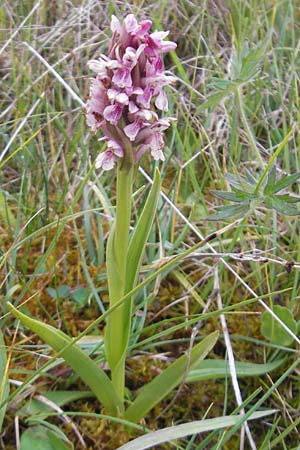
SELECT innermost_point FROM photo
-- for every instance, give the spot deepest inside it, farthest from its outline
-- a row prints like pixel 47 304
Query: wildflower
pixel 128 88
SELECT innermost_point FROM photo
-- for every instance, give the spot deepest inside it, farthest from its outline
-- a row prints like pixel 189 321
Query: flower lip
pixel 122 77
pixel 113 113
pixel 133 129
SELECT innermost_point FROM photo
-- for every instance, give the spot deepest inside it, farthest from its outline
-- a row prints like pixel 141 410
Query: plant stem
pixel 117 249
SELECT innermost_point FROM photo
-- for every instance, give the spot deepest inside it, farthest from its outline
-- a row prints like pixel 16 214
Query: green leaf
pixel 273 331
pixel 81 296
pixel 240 182
pixel 250 177
pixel 211 369
pixel 281 206
pixel 4 383
pixel 57 443
pixel 6 213
pixel 116 263
pixel 229 212
pixel 114 282
pixel 214 99
pixel 141 232
pixel 237 196
pixel 283 183
pixel 219 83
pixel 85 368
pixel 287 198
pixel 63 291
pixel 186 429
pixel 59 293
pixel 251 63
pixel 41 438
pixel 159 387
pixel 271 180
pixel 52 292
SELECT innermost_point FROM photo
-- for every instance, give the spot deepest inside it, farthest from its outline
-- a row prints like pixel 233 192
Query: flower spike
pixel 128 91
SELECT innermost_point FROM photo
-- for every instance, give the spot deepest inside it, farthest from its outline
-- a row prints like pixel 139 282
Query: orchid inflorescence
pixel 127 91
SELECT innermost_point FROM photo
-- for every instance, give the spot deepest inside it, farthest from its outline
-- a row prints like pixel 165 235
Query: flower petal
pixel 113 113
pixel 132 108
pixel 132 129
pixel 145 26
pixel 145 99
pixel 115 24
pixel 161 101
pixel 122 77
pixel 106 160
pixel 115 148
pixel 131 24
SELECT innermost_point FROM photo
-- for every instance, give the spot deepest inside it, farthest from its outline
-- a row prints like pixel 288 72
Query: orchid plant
pixel 127 96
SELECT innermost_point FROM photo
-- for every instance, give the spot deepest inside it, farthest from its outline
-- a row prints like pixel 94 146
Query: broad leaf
pixel 86 368
pixel 210 369
pixel 186 429
pixel 42 438
pixel 159 387
pixel 273 331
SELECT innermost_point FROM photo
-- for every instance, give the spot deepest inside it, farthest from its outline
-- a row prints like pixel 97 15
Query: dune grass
pixel 55 212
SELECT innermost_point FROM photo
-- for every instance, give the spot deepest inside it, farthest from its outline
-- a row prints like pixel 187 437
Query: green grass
pixel 55 212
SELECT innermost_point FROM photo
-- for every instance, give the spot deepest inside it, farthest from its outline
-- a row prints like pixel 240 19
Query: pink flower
pixel 156 44
pixel 133 129
pixel 113 113
pixel 128 90
pixel 144 99
pixel 154 142
pixel 122 77
pixel 132 55
pixel 130 24
pixel 107 159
